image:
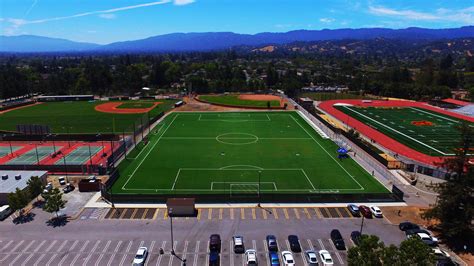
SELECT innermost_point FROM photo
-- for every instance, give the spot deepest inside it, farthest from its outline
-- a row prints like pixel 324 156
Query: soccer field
pixel 240 152
pixel 423 130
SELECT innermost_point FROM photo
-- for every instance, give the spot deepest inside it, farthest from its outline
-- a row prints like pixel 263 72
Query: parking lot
pixel 232 213
pixel 121 252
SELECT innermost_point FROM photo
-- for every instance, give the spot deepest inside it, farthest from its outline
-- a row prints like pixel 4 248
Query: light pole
pixel 170 214
pixel 259 178
pixel 362 224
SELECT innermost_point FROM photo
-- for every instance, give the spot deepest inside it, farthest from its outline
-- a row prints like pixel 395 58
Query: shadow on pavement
pixel 24 218
pixel 57 221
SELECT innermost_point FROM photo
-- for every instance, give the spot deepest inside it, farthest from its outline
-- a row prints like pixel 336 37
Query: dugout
pixel 65 98
pixel 181 207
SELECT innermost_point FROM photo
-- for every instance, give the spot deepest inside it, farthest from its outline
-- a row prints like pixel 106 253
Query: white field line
pixel 421 111
pixel 213 138
pixel 243 183
pixel 149 151
pixel 328 153
pixel 396 131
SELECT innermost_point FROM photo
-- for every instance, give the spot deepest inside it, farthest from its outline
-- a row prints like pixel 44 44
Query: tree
pixel 371 251
pixel 35 186
pixel 18 200
pixel 454 208
pixel 54 201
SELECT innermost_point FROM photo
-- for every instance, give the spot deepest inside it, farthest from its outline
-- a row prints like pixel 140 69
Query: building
pixel 64 98
pixel 11 180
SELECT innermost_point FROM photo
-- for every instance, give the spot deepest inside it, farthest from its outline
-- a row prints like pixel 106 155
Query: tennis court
pixel 80 155
pixel 34 156
pixel 5 150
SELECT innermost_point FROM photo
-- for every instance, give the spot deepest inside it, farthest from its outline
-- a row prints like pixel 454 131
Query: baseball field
pixel 240 152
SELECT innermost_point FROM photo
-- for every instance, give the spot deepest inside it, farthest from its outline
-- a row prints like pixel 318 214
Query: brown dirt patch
pixel 111 107
pixel 19 107
pixel 259 97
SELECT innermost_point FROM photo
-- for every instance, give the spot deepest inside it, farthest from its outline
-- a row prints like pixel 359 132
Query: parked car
pixel 5 211
pixel 337 239
pixel 353 209
pixel 440 254
pixel 214 258
pixel 365 211
pixel 355 237
pixel 427 239
pixel 325 257
pixel 141 256
pixel 416 231
pixel 251 257
pixel 376 211
pixel 215 243
pixel 272 243
pixel 273 258
pixel 48 188
pixel 294 243
pixel 62 180
pixel 287 258
pixel 404 226
pixel 68 188
pixel 311 257
pixel 238 244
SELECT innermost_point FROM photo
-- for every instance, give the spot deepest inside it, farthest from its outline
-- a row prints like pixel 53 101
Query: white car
pixel 287 258
pixel 427 239
pixel 140 257
pixel 376 212
pixel 440 254
pixel 311 257
pixel 251 257
pixel 325 257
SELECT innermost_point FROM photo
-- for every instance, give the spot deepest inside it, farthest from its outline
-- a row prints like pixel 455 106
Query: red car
pixel 365 211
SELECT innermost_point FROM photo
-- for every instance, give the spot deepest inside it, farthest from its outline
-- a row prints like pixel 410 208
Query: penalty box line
pixel 229 119
pixel 232 183
pixel 241 169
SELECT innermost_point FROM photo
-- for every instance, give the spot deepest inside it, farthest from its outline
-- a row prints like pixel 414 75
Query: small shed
pixel 182 207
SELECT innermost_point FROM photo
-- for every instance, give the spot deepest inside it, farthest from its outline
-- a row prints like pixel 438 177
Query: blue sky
pixel 105 21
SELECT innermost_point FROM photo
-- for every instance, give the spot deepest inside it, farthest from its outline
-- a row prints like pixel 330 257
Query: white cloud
pixel 465 15
pixel 108 16
pixel 327 20
pixel 16 23
pixel 183 2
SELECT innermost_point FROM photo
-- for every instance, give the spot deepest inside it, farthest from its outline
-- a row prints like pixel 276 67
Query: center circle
pixel 237 138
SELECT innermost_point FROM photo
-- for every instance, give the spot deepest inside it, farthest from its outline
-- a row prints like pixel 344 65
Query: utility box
pixel 181 207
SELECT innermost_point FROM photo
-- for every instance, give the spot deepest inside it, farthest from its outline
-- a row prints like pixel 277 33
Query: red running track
pixel 379 137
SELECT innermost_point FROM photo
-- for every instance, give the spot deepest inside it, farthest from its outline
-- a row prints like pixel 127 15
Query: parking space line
pixel 339 213
pixel 310 244
pixel 27 259
pixel 51 246
pixel 28 246
pixel 150 251
pixel 79 253
pixel 349 214
pixel 40 245
pixel 126 252
pixel 73 245
pixel 287 244
pixel 185 250
pixel 133 213
pixel 317 213
pixel 321 244
pixel 39 259
pixel 145 213
pixel 91 252
pixel 172 256
pixel 303 259
pixel 196 250
pixel 254 245
pixel 307 213
pixel 51 259
pixel 115 252
pixel 6 246
pixel 19 255
pixel 62 246
pixel 275 213
pixel 285 212
pixel 165 215
pixel 209 214
pixel 220 213
pixel 17 246
pixel 104 250
pixel 254 215
pixel 242 213
pixel 337 252
pixel 297 213
pixel 160 257
pixel 199 214
pixel 207 253
pixel 124 211
pixel 232 213
pixel 63 259
pixel 264 214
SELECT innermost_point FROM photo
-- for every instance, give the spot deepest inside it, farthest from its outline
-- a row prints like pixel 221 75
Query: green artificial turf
pixel 135 105
pixel 235 101
pixel 75 117
pixel 440 139
pixel 224 152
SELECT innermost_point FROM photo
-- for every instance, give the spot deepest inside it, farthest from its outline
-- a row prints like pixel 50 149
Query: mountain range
pixel 208 41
